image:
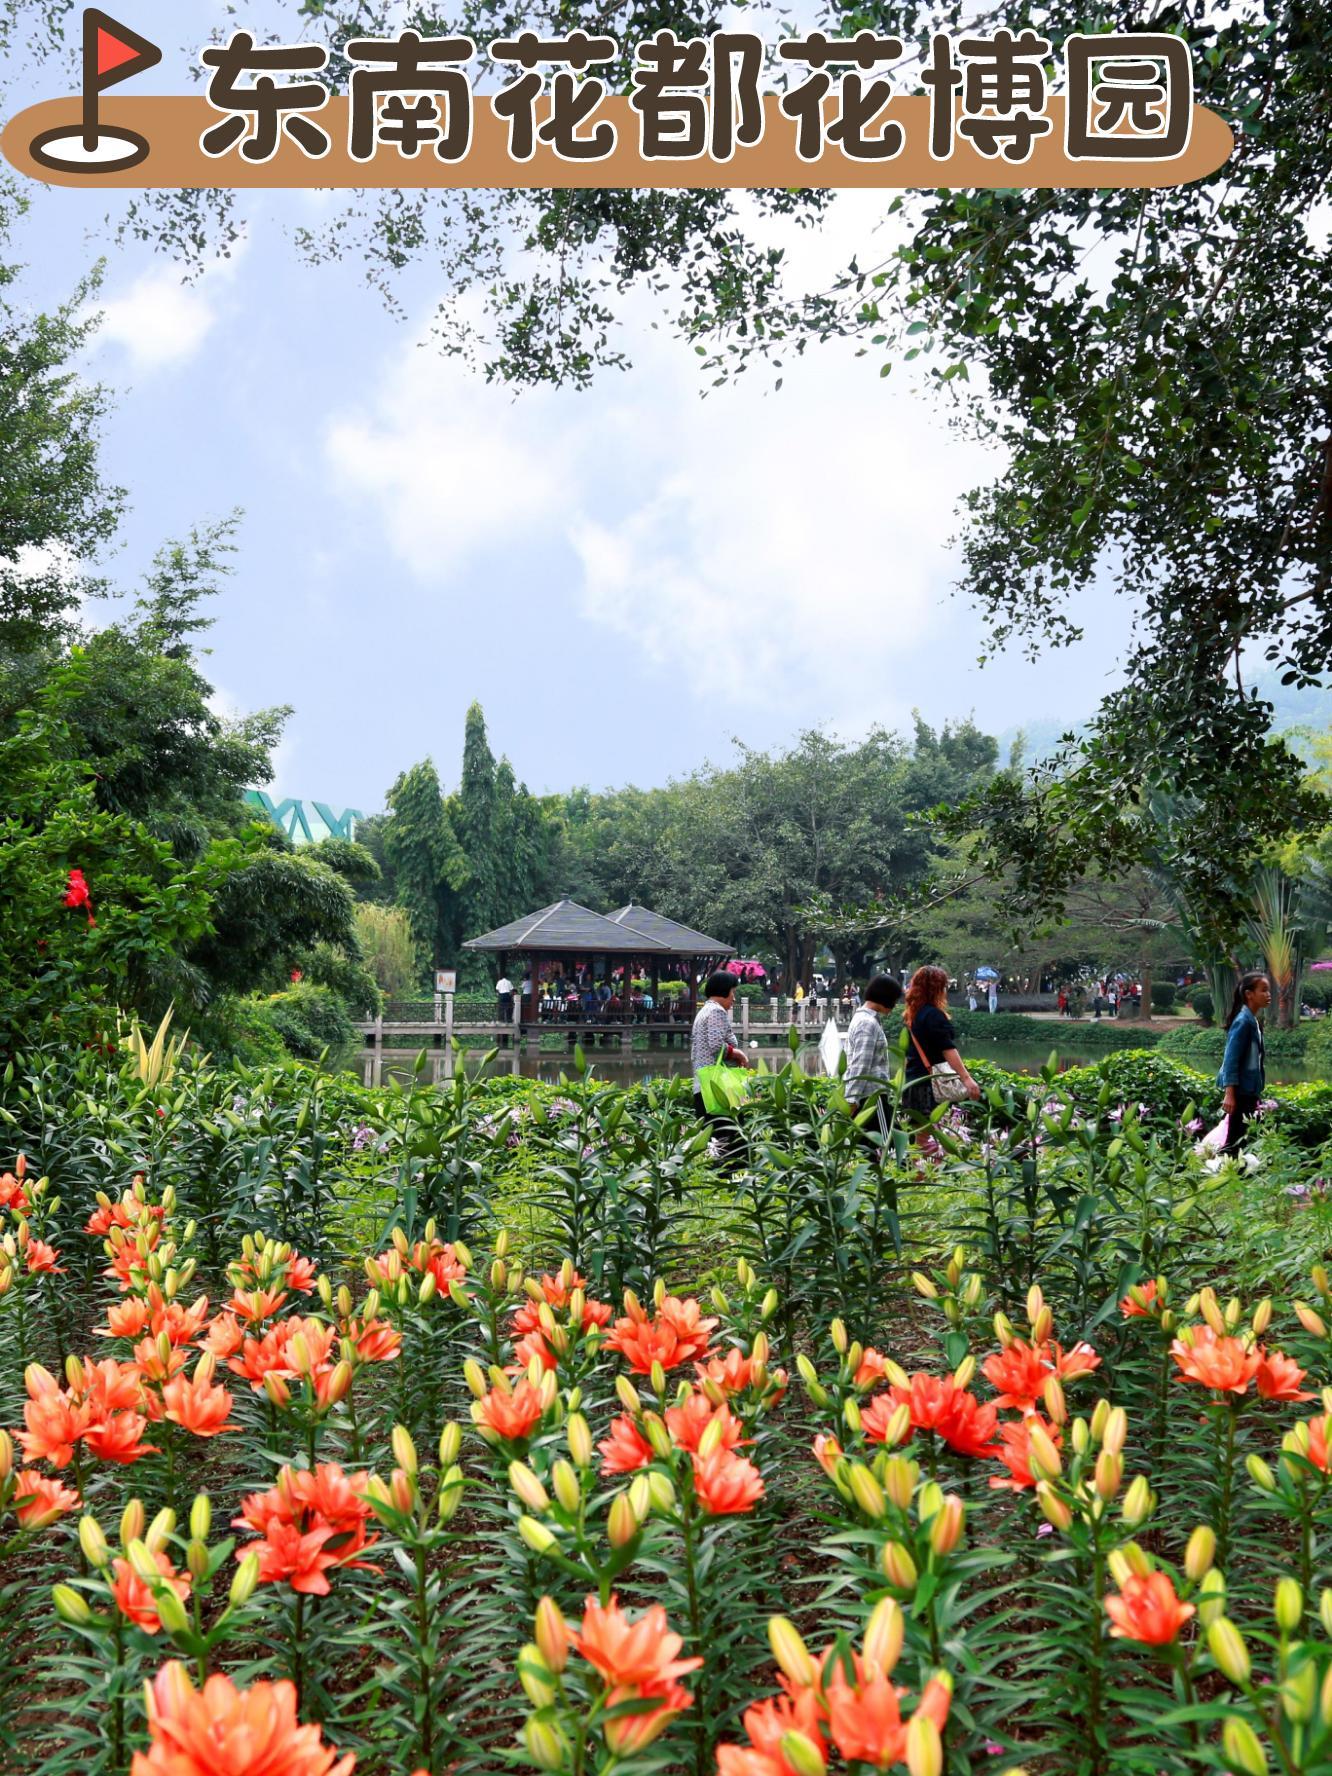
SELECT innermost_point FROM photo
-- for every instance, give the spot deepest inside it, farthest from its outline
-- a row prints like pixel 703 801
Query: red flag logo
pixel 112 51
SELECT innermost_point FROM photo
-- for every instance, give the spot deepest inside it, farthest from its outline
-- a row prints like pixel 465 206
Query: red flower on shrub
pixel 77 894
pixel 1147 1609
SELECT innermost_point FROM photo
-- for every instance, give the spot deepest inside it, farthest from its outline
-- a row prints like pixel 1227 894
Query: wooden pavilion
pixel 565 935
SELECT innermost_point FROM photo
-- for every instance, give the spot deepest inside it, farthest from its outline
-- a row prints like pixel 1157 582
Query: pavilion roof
pixel 565 927
pixel 680 938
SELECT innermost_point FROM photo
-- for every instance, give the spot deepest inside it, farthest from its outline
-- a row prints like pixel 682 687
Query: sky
pixel 627 578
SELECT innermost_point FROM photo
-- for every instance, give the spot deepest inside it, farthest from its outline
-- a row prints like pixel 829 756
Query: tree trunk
pixel 1145 1008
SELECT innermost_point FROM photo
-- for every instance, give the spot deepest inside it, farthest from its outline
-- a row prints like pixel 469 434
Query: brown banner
pixel 170 129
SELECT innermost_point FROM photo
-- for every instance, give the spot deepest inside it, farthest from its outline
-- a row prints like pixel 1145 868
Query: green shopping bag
pixel 722 1088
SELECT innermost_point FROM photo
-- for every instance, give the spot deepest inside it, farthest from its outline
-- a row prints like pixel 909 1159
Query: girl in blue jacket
pixel 1242 1071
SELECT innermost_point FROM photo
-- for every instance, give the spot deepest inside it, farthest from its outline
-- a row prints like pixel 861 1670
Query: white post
pixel 438 1008
pixel 448 1019
pixel 744 1020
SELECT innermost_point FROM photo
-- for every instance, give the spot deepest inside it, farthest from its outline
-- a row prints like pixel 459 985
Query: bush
pixel 1200 998
pixel 239 1031
pixel 309 1019
pixel 1163 995
pixel 1316 990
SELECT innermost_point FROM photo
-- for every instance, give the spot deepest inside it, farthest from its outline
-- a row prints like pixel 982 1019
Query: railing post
pixel 448 1019
pixel 744 1020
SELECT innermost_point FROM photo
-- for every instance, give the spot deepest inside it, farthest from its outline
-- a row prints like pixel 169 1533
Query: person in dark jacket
pixel 1242 1067
pixel 933 1039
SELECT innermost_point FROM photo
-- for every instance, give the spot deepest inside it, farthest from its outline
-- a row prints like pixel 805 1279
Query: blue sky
pixel 626 578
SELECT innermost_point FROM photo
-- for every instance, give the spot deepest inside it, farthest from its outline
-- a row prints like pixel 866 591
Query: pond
pixel 1016 1057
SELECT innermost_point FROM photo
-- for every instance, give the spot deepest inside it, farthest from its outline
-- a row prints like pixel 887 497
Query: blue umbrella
pixel 987 974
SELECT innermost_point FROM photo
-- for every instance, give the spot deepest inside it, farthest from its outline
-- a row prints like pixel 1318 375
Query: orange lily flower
pixel 1081 1360
pixel 222 1728
pixel 1318 1441
pixel 1018 1373
pixel 677 1335
pixel 1223 1364
pixel 687 1423
pixel 627 1734
pixel 732 1373
pixel 626 1449
pixel 1147 1609
pixel 39 1500
pixel 1278 1377
pixel 225 1336
pixel 256 1304
pixel 119 1439
pixel 827 1453
pixel 533 1345
pixel 630 1653
pixel 126 1319
pixel 1129 1307
pixel 1015 1452
pixel 54 1422
pixel 726 1484
pixel 512 1415
pixel 109 1386
pixel 182 1325
pixel 42 1259
pixel 134 1596
pixel 197 1404
pixel 377 1342
pixel 865 1720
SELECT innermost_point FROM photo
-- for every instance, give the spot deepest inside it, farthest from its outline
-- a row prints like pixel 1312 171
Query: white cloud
pixel 158 321
pixel 801 531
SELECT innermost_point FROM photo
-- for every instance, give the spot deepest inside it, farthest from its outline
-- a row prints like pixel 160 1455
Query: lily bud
pixel 450 1445
pixel 132 1520
pixel 578 1435
pixel 1081 1436
pixel 171 1611
pixel 196 1559
pixel 654 1429
pixel 924 1285
pixel 552 1634
pixel 1259 1472
pixel 1262 1317
pixel 657 1376
pixel 528 1488
pixel 1138 1501
pixel 621 1523
pixel 143 1562
pixel 884 1633
pixel 245 1581
pixel 924 1748
pixel 535 1676
pixel 1242 1748
pixel 962 1375
pixel 1109 1474
pixel 801 1754
pixel 1299 1693
pixel 1313 1323
pixel 450 1493
pixel 1325 1610
pixel 837 1332
pixel 1115 1434
pixel 1042 1450
pixel 475 1377
pixel 1003 1330
pixel 1288 1605
pixel 930 1501
pixel 899 1480
pixel 866 1491
pixel 1211 1598
pixel 768 1306
pixel 70 1606
pixel 711 1437
pixel 1055 1405
pixel 1210 1309
pixel 93 1543
pixel 661 1494
pixel 6 1455
pixel 158 1530
pixel 546 1744
pixel 1200 1553
pixel 898 1427
pixel 640 1496
pixel 537 1537
pixel 791 1653
pixel 277 1390
pixel 1226 1645
pixel 851 1416
pixel 946 1525
pixel 1098 1420
pixel 1042 1326
pixel 1053 1508
pixel 898 1567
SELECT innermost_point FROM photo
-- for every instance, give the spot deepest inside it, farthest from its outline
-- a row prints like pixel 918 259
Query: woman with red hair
pixel 933 1039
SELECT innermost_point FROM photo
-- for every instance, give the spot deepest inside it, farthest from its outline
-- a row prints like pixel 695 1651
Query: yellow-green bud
pixel 838 1333
pixel 578 1434
pixel 528 1488
pixel 924 1285
pixel 622 1523
pixel 1053 1508
pixel 866 1491
pixel 1109 1474
pixel 851 1416
pixel 171 1611
pixel 1262 1317
pixel 924 1748
pixel 70 1606
pixel 884 1634
pixel 450 1445
pixel 201 1517
pixel 946 1525
pixel 450 1493
pixel 1288 1605
pixel 475 1377
pixel 196 1559
pixel 1299 1693
pixel 661 1492
pixel 801 1754
pixel 93 1543
pixel 546 1744
pixel 1260 1473
pixel 158 1530
pixel 791 1653
pixel 899 1480
pixel 1098 1420
pixel 1325 1610
pixel 1200 1553
pixel 536 1676
pixel 640 1496
pixel 1211 1598
pixel 1226 1645
pixel 537 1537
pixel 1241 1746
pixel 1138 1502
pixel 565 1482
pixel 965 1371
pixel 1081 1436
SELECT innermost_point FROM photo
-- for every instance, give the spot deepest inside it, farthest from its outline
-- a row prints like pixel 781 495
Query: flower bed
pixel 491 1428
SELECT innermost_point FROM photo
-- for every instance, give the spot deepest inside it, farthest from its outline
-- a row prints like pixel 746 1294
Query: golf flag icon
pixel 111 53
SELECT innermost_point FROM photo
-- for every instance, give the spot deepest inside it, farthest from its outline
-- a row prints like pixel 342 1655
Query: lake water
pixel 1016 1057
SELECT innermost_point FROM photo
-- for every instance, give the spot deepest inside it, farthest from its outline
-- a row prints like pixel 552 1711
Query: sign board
pixel 446 980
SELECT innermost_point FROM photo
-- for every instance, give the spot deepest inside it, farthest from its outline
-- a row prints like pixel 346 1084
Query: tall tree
pixel 476 824
pixel 428 864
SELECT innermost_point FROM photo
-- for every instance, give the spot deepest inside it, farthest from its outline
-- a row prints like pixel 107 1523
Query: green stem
pixel 1227 1459
pixel 423 1659
pixel 1098 1765
pixel 695 1628
pixel 298 1647
pixel 118 1705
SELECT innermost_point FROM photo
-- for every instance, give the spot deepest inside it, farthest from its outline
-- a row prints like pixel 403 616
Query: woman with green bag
pixel 714 1049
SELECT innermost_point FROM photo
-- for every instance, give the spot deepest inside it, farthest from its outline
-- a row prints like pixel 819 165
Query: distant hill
pixel 1292 709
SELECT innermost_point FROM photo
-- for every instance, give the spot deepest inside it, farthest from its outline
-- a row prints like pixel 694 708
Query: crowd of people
pixel 935 1072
